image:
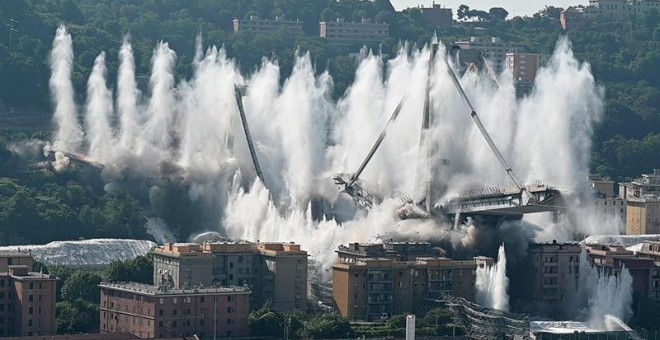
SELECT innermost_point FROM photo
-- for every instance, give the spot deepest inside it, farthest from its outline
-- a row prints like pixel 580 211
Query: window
pixel 161 300
pixel 160 324
pixel 173 324
pixel 174 312
pixel 31 298
pixel 201 299
pixel 229 309
pixel 160 312
pixel 229 298
pixel 30 310
pixel 30 322
pixel 230 321
pixel 174 300
pixel 31 285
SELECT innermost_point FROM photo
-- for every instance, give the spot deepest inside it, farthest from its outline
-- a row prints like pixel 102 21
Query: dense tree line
pixel 266 322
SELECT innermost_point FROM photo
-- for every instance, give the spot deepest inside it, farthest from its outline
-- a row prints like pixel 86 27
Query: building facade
pixel 371 289
pixel 265 26
pixel 494 49
pixel 523 66
pixel 556 267
pixel 27 298
pixel 275 272
pixel 148 311
pixel 619 9
pixel 435 16
pixel 651 250
pixel 643 204
pixel 349 34
pixel 572 17
pixel 606 200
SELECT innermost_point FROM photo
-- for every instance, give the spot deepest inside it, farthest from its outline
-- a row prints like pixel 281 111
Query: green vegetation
pixel 78 293
pixel 267 322
pixel 38 206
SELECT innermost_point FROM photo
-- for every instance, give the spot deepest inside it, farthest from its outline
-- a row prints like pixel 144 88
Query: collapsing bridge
pixel 511 202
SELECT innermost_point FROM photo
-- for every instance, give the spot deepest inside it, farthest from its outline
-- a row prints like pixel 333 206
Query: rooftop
pixel 144 289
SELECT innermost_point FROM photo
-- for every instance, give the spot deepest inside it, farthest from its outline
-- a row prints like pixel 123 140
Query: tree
pixel 329 327
pixel 498 13
pixel 139 269
pixel 266 322
pixel 78 316
pixel 462 12
pixel 82 285
pixel 551 12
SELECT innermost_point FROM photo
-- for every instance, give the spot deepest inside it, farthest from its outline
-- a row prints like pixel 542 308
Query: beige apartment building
pixel 370 289
pixel 265 26
pixel 148 311
pixel 275 272
pixel 27 298
pixel 643 204
pixel 605 200
pixel 349 34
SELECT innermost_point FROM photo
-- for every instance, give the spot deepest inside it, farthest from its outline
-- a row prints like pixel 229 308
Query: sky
pixel 515 7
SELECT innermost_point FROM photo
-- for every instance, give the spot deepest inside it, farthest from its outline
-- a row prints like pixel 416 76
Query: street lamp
pixel 12 28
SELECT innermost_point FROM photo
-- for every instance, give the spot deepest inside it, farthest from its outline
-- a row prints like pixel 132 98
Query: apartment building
pixel 435 16
pixel 353 34
pixel 494 49
pixel 619 9
pixel 651 250
pixel 27 298
pixel 523 66
pixel 643 204
pixel 370 289
pixel 556 268
pixel 611 259
pixel 572 17
pixel 266 26
pixel 401 251
pixel 275 272
pixel 148 311
pixel 605 200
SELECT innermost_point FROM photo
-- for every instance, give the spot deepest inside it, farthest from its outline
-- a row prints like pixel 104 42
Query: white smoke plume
pixel 69 135
pixel 97 116
pixel 191 131
pixel 492 284
pixel 604 294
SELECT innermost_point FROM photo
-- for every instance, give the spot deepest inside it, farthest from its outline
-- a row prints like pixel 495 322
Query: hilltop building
pixel 148 311
pixel 619 9
pixel 275 272
pixel 643 204
pixel 435 16
pixel 27 298
pixel 374 288
pixel 348 34
pixel 572 17
pixel 266 26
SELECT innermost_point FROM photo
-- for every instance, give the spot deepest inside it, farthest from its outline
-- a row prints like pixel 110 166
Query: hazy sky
pixel 515 7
